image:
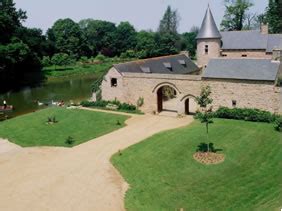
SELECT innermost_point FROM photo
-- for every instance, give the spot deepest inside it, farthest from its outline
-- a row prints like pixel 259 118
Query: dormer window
pixel 206 49
pixel 168 65
pixel 182 62
pixel 146 69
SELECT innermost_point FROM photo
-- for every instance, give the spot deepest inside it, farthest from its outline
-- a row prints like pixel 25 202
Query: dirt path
pixel 81 178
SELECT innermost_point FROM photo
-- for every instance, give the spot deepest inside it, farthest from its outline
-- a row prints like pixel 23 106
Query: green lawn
pixel 76 70
pixel 163 175
pixel 32 129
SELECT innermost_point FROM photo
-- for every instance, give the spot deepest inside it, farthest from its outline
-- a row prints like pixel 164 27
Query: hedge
pixel 103 104
pixel 254 115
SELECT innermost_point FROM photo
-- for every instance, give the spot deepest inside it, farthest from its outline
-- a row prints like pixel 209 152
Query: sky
pixel 143 14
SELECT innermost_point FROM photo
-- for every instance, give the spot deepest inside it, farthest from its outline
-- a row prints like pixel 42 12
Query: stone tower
pixel 208 40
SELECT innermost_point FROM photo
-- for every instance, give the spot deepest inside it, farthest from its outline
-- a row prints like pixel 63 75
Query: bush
pixel 278 124
pixel 254 115
pixel 101 58
pixel 103 104
pixel 69 141
pixel 46 61
pixel 129 54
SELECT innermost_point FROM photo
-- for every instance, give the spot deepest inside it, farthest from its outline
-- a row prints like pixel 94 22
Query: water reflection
pixel 26 100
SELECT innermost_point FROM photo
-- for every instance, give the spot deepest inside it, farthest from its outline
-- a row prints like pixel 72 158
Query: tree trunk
pixel 207 127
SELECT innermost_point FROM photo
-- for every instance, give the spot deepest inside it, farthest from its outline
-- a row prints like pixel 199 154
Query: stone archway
pixel 167 97
pixel 190 105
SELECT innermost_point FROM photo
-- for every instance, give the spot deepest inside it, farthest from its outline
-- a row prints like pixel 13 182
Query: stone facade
pixel 246 53
pixel 213 45
pixel 229 93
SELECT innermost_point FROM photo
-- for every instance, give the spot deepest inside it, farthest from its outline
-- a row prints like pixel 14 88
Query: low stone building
pixel 235 82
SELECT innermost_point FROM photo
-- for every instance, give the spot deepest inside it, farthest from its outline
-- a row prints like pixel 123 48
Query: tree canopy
pixel 273 16
pixel 236 12
pixel 169 22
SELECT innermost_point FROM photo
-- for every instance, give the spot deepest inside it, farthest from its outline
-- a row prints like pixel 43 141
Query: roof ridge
pixel 149 59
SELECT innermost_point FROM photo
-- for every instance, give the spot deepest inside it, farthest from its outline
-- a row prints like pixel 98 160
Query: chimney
pixel 264 28
pixel 186 53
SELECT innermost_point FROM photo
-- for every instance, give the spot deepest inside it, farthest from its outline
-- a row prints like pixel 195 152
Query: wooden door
pixel 160 100
pixel 187 106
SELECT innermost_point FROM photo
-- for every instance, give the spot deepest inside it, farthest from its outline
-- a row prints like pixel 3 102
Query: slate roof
pixel 160 65
pixel 208 28
pixel 242 69
pixel 274 41
pixel 250 40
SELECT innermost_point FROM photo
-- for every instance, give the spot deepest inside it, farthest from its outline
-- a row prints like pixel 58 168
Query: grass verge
pixel 163 175
pixel 33 130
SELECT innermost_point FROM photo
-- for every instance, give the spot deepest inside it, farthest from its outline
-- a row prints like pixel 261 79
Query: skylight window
pixel 146 69
pixel 168 65
pixel 182 62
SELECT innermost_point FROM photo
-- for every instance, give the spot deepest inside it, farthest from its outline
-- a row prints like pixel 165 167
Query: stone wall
pixel 247 94
pixel 108 91
pixel 249 54
pixel 132 86
pixel 214 50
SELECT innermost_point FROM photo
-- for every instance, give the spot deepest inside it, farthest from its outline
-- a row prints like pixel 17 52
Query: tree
pixel 169 22
pixel 235 14
pixel 146 44
pixel 67 37
pixel 100 36
pixel 167 44
pixel 10 20
pixel 189 41
pixel 204 99
pixel 206 116
pixel 274 16
pixel 126 37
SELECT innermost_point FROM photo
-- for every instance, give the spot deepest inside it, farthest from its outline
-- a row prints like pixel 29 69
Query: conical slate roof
pixel 208 28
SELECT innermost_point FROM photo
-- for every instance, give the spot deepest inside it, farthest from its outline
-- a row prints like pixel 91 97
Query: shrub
pixel 69 140
pixel 129 54
pixel 140 101
pixel 46 61
pixel 278 124
pixel 103 104
pixel 254 115
pixel 100 57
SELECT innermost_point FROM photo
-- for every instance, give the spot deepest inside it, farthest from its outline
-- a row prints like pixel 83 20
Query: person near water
pixel 5 104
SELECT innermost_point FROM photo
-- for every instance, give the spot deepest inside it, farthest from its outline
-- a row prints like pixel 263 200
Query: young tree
pixel 235 14
pixel 169 22
pixel 206 116
pixel 204 99
pixel 274 16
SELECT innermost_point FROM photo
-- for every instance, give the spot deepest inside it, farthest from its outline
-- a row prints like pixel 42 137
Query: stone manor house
pixel 241 67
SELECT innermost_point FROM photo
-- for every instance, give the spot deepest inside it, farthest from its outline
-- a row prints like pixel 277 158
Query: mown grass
pixel 163 175
pixel 33 130
pixel 53 72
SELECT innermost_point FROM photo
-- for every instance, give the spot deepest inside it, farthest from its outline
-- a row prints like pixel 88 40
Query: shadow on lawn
pixel 203 147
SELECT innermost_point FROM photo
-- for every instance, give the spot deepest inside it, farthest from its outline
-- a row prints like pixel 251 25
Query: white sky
pixel 143 14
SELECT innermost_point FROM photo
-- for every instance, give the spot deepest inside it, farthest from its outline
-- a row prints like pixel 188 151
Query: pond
pixel 31 99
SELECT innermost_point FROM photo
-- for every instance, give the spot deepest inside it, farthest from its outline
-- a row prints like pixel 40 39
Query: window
pixel 244 55
pixel 234 103
pixel 224 55
pixel 206 49
pixel 113 82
